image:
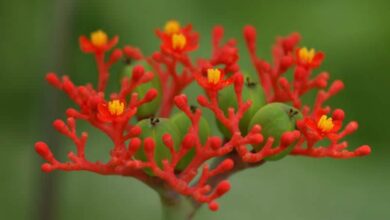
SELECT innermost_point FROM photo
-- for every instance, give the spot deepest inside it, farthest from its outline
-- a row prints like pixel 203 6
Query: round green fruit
pixel 155 128
pixel 148 109
pixel 183 123
pixel 275 119
pixel 253 91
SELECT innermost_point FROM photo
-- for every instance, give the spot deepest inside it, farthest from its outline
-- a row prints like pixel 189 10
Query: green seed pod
pixel 275 119
pixel 148 109
pixel 183 123
pixel 253 91
pixel 156 128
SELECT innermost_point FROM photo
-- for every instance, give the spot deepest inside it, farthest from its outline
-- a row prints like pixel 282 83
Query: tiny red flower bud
pixel 290 42
pixel 149 145
pixel 68 86
pixel 71 112
pixel 188 141
pixel 351 127
pixel 217 34
pixel 213 206
pixel 363 150
pixel 289 137
pixel 138 72
pixel 135 131
pixel 132 52
pixel 222 187
pixel 46 167
pixel 42 149
pixel 256 128
pixel 167 139
pixel 181 101
pixel 202 100
pixel 134 145
pixel 215 142
pixel 116 55
pixel 151 94
pixel 336 87
pixel 53 80
pixel 250 33
pixel 61 126
pixel 227 164
pixel 256 139
pixel 157 56
pixel 338 115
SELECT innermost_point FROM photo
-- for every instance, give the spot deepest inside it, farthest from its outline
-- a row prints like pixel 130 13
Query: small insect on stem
pixel 154 121
pixel 193 108
pixel 250 83
pixel 127 61
pixel 292 113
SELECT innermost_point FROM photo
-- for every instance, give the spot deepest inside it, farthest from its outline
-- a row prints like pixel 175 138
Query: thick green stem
pixel 176 207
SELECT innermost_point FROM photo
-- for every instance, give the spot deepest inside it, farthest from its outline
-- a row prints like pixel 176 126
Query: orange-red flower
pixel 111 111
pixel 176 39
pixel 214 79
pixel 309 58
pixel 98 42
pixel 323 126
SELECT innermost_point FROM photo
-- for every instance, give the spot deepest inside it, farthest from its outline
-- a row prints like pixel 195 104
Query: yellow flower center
pixel 179 41
pixel 116 107
pixel 325 124
pixel 306 55
pixel 172 27
pixel 99 38
pixel 213 75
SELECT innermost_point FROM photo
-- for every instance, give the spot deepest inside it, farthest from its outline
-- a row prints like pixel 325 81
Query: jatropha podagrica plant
pixel 261 118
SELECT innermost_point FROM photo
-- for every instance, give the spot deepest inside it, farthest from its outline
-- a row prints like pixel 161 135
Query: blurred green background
pixel 40 36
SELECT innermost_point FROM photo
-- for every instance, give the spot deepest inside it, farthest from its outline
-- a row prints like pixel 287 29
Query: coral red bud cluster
pixel 174 68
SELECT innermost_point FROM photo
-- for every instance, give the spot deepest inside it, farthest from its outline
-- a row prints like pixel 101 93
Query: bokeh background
pixel 40 36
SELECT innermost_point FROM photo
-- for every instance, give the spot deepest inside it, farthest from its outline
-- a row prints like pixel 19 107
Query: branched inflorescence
pixel 175 70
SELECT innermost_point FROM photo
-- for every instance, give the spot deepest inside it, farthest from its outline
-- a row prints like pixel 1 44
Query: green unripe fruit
pixel 253 91
pixel 155 128
pixel 275 119
pixel 148 109
pixel 183 123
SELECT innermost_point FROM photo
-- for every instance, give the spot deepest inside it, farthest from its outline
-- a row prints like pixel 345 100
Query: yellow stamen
pixel 306 55
pixel 179 41
pixel 325 124
pixel 213 75
pixel 99 38
pixel 116 107
pixel 172 27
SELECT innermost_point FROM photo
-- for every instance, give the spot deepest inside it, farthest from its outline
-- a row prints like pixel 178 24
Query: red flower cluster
pixel 113 116
pixel 177 40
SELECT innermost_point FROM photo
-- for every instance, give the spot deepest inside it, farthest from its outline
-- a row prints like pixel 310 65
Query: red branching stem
pixel 172 82
pixel 276 87
pixel 103 67
pixel 175 70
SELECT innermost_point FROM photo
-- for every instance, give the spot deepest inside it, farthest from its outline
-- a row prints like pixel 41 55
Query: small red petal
pixel 85 45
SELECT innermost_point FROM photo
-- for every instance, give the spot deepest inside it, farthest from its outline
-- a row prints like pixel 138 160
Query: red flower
pixel 322 126
pixel 309 58
pixel 112 111
pixel 177 40
pixel 214 80
pixel 97 43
